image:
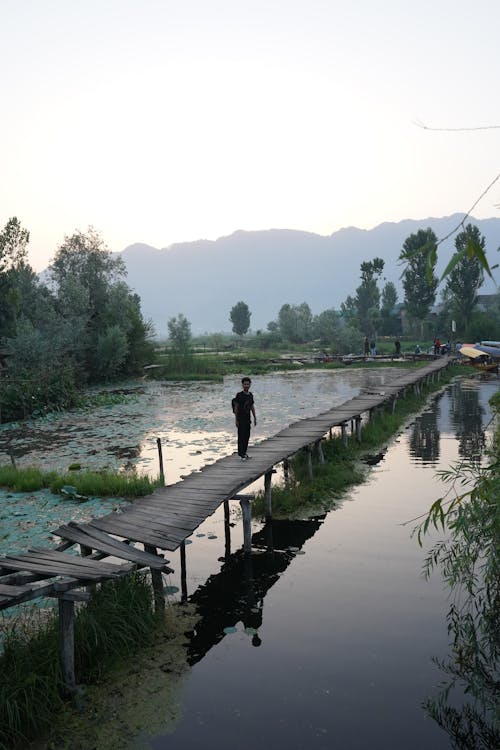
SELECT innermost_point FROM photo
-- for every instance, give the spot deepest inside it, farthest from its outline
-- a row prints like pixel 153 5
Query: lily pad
pixel 230 629
pixel 171 590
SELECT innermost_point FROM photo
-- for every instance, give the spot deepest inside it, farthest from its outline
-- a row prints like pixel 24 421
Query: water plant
pixel 468 704
pixel 118 617
pixel 83 483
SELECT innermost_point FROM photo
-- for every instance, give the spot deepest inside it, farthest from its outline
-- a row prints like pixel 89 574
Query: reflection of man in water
pixel 243 406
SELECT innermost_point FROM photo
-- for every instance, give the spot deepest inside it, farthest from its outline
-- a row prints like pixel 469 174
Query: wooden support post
pixel 268 536
pixel 331 433
pixel 371 415
pixel 267 493
pixel 67 643
pixel 160 458
pixel 227 531
pixel 157 581
pixel 321 455
pixel 358 429
pixel 85 551
pixel 309 462
pixel 345 437
pixel 286 469
pixel 394 404
pixel 247 524
pixel 183 572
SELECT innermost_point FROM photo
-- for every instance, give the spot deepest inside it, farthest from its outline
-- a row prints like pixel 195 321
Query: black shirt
pixel 244 403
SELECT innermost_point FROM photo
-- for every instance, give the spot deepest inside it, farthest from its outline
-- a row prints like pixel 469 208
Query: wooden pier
pixel 166 518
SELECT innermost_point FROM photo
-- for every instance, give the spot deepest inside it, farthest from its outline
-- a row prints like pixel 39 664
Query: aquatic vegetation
pixel 118 618
pixel 468 559
pixel 83 484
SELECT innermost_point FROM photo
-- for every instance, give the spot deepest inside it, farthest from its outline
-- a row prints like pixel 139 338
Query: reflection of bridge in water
pixel 237 592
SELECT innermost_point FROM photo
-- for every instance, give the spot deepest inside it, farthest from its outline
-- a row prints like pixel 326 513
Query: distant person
pixel 417 349
pixel 243 407
pixel 397 345
pixel 373 348
pixel 367 346
pixel 448 347
pixel 437 345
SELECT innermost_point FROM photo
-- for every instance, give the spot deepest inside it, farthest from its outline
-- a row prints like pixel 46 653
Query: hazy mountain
pixel 266 269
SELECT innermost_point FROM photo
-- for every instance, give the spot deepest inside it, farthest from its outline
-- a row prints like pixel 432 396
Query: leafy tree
pixel 349 310
pixel 326 326
pixel 92 299
pixel 389 296
pixel 179 329
pixel 389 323
pixel 295 322
pixel 419 254
pixel 367 300
pixel 240 318
pixel 111 350
pixel 13 252
pixel 466 277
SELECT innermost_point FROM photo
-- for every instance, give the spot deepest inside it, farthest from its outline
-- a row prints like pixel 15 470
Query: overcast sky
pixel 162 121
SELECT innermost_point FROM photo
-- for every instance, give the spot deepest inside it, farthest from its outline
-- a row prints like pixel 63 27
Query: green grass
pixel 100 484
pixel 344 466
pixel 118 619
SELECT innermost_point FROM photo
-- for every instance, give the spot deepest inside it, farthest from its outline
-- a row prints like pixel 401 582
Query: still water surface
pixel 325 639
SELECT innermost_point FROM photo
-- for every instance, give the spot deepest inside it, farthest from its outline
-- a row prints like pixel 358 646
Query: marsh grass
pixel 118 618
pixel 344 466
pixel 189 367
pixel 87 483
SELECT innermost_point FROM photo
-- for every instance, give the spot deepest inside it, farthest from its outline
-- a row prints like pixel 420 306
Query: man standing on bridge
pixel 243 406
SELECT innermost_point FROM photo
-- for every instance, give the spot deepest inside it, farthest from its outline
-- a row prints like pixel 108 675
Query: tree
pixel 240 318
pixel 419 254
pixel 326 326
pixel 13 252
pixel 295 322
pixel 390 324
pixel 92 298
pixel 466 277
pixel 179 329
pixel 367 298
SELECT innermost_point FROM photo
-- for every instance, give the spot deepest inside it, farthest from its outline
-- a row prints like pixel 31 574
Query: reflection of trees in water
pixel 424 437
pixel 468 705
pixel 467 415
pixel 237 592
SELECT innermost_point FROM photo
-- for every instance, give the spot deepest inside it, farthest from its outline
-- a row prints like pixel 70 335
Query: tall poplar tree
pixel 419 254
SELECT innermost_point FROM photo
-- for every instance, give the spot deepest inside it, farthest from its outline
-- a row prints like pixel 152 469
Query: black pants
pixel 243 436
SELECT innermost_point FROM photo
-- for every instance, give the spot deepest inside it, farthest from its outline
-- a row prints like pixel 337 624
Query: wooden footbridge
pixel 166 518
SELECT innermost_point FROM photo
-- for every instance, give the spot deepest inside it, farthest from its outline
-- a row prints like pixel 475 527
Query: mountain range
pixel 266 269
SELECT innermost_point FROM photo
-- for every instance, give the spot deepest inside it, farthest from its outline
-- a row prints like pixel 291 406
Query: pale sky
pixel 164 121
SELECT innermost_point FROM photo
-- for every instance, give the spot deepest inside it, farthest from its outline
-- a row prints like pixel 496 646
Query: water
pixel 327 641
pixel 325 637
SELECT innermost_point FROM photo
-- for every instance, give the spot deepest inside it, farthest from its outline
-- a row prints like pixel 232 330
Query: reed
pixel 86 483
pixel 118 618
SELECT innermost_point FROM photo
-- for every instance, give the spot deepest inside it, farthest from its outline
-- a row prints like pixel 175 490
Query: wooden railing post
pixel 267 493
pixel 157 581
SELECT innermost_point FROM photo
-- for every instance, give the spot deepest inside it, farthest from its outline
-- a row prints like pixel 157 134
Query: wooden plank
pixel 95 539
pixel 137 534
pixel 73 560
pixel 10 590
pixel 54 569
